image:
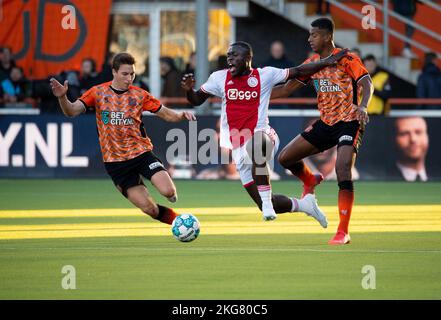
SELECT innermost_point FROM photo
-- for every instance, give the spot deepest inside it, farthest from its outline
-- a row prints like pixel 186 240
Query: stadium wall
pixel 58 147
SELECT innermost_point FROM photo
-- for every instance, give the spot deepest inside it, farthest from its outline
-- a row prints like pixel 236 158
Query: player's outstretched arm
pixel 174 116
pixel 285 90
pixel 368 90
pixel 308 69
pixel 196 98
pixel 69 109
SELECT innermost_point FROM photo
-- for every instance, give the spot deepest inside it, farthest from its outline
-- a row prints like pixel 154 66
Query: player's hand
pixel 336 57
pixel 361 113
pixel 185 115
pixel 57 89
pixel 188 82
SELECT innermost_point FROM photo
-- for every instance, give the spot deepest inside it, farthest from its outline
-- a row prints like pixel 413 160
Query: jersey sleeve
pixel 88 98
pixel 150 103
pixel 277 75
pixel 355 68
pixel 212 85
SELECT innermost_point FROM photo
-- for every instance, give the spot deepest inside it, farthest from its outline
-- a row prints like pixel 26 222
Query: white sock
pixel 265 195
pixel 295 204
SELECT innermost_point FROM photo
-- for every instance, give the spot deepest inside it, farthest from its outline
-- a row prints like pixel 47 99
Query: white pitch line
pixel 224 249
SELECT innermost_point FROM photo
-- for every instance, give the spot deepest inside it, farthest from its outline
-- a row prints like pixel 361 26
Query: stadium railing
pixel 300 107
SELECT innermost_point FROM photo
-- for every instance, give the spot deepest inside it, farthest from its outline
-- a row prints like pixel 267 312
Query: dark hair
pixel 92 62
pixel 122 58
pixel 244 45
pixel 370 57
pixel 5 48
pixel 429 57
pixel 19 68
pixel 170 61
pixel 324 23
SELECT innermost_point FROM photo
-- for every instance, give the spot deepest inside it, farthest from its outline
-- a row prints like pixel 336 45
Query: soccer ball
pixel 185 227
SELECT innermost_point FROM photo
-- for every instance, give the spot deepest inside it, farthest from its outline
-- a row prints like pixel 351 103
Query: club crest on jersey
pixel 252 81
pixel 105 116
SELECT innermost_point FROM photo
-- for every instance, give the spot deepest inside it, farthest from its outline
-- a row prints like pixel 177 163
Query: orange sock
pixel 302 171
pixel 345 203
pixel 166 215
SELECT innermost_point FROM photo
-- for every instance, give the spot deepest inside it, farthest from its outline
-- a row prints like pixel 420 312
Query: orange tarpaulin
pixel 49 36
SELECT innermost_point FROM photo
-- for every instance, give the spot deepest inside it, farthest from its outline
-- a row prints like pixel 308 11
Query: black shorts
pixel 324 137
pixel 126 174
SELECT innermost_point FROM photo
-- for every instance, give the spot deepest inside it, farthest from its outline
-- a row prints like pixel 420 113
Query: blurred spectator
pixel 380 79
pixel 320 10
pixel 222 62
pixel 278 58
pixel 190 67
pixel 89 77
pixel 357 52
pixel 181 168
pixel 171 78
pixel 412 145
pixel 6 63
pixel 406 8
pixel 16 88
pixel 142 80
pixel 48 102
pixel 106 71
pixel 429 81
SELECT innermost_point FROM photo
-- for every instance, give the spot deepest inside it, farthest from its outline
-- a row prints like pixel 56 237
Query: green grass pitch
pixel 119 253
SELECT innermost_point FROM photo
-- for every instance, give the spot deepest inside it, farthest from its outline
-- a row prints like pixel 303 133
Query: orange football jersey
pixel 337 87
pixel 121 131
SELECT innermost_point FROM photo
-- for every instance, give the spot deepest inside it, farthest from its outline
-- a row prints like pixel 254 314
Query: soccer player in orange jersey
pixel 125 146
pixel 343 117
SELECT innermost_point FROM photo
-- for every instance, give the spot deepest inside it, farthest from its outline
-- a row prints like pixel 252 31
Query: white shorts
pixel 244 165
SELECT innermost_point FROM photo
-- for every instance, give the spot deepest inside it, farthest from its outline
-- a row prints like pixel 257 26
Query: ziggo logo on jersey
pixel 234 94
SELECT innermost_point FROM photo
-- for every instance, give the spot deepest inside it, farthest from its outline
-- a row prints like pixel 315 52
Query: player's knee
pixel 150 208
pixel 282 158
pixel 169 192
pixel 286 162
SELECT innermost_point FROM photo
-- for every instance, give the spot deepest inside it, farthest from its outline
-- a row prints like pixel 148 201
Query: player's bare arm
pixel 368 90
pixel 174 116
pixel 69 109
pixel 285 90
pixel 308 69
pixel 196 98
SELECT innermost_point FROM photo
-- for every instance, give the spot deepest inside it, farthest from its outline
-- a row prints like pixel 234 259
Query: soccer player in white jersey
pixel 245 129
